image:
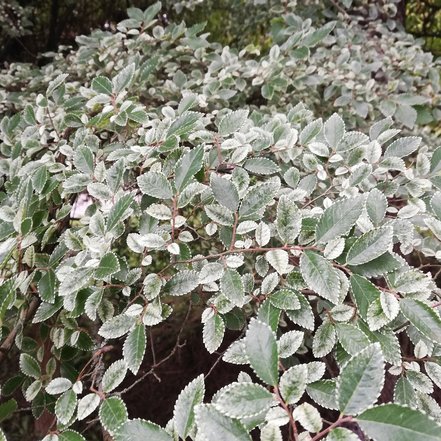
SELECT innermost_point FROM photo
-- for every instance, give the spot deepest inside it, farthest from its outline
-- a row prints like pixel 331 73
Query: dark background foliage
pixel 43 25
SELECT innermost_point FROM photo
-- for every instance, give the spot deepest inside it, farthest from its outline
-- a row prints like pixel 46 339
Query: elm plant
pixel 318 242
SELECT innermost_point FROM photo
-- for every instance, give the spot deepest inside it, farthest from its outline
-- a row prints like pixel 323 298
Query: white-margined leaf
pixel 423 317
pixel 243 400
pixel 182 283
pixel 309 417
pixel 113 414
pixel 189 164
pixel 188 399
pixel 369 246
pixel 293 383
pixel 87 405
pixel 232 122
pixel 114 375
pixel 134 348
pixel 262 352
pixel 225 192
pixel 213 333
pixel 320 275
pixel 392 422
pixel 136 430
pixel 214 425
pixel 65 406
pixel 58 386
pixel 361 381
pixel 339 218
pixel 155 184
pixel 288 221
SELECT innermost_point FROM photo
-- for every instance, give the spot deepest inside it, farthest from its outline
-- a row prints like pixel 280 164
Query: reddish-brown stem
pixel 174 209
pixel 292 422
pixel 249 250
pixel 233 237
pixel 335 424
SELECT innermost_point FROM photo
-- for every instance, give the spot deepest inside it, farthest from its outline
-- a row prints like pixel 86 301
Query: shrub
pixel 131 191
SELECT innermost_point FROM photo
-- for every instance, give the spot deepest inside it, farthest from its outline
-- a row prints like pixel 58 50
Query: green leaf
pixel 324 339
pixel 309 417
pixel 364 293
pixel 116 326
pixel 320 276
pixel 40 178
pixel 232 122
pixel 270 432
pixel 188 166
pixel 70 435
pixel 314 37
pixel 47 310
pixel 124 78
pixel 155 184
pixel 184 124
pixel 211 272
pixel 140 430
pixel 182 283
pixel 108 265
pixel 323 392
pixel 84 160
pixel 102 85
pixel 433 370
pixel 293 383
pixel 310 131
pixel 87 405
pixel 403 147
pixel 119 211
pixel 114 375
pixel 231 286
pixel 361 380
pixel 219 214
pixel 269 314
pixel 213 425
pixel 46 287
pixel 289 343
pixel 334 130
pixel 341 434
pixel 376 206
pixel 279 260
pixel 352 339
pixel 29 366
pixel 261 166
pixel 369 246
pixel 7 409
pixel 225 192
pixel 288 221
pixel 423 317
pixel 304 316
pixel 134 348
pixel 352 140
pixel 384 264
pixel 258 196
pixel 213 333
pixel 189 398
pixel 262 352
pixel 285 299
pixel 404 392
pixel 243 400
pixel 58 386
pixel 65 406
pixel 338 219
pixel 391 422
pixel 113 414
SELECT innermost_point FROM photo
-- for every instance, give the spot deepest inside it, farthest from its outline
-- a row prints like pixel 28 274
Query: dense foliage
pixel 290 194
